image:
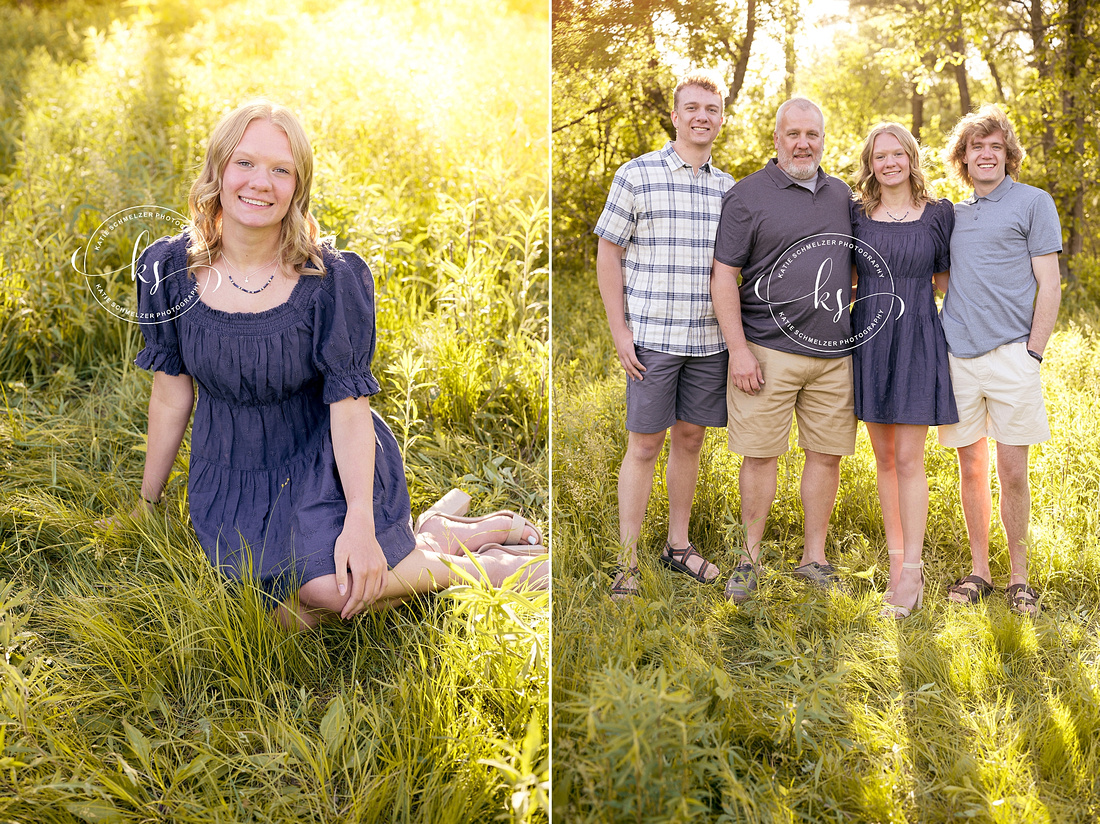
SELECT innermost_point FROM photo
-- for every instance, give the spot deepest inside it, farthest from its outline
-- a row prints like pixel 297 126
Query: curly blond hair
pixel 982 123
pixel 300 234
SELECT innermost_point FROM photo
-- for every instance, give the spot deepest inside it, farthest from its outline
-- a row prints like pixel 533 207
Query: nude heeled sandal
pixel 534 574
pixel 454 503
pixel 897 612
pixel 523 550
pixel 515 530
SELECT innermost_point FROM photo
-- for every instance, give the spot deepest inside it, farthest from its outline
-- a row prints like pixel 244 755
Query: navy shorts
pixel 676 388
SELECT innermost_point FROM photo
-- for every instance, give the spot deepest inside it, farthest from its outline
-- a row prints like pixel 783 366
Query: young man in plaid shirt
pixel 656 242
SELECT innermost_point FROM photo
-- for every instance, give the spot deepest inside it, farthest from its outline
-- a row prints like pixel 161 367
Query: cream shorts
pixel 999 395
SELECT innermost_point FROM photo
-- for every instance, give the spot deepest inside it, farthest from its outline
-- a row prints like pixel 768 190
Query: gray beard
pixel 800 172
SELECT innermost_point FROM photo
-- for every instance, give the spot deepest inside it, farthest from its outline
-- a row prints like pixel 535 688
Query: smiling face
pixel 985 161
pixel 799 141
pixel 258 181
pixel 889 161
pixel 697 117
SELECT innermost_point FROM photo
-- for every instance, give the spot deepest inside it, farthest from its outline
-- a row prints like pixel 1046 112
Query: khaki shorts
pixel 999 395
pixel 817 390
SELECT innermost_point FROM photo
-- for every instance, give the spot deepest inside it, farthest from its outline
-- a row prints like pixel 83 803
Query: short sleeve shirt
pixel 990 297
pixel 794 250
pixel 665 216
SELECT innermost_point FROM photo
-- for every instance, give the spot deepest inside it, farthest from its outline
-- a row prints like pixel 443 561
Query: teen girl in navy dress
pixel 902 384
pixel 294 480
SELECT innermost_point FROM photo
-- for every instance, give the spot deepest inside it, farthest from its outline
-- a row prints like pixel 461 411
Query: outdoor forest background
pixel 922 64
pixel 679 706
pixel 134 684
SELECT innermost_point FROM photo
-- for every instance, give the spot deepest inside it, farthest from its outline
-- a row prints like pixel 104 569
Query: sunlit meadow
pixel 135 685
pixel 797 707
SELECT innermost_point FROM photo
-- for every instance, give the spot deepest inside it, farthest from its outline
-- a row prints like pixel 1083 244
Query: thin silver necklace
pixel 893 217
pixel 229 263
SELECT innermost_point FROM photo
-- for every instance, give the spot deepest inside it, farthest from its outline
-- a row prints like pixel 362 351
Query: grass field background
pixel 136 686
pixel 801 707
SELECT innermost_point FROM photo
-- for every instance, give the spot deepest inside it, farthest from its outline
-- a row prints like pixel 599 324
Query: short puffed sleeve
pixel 943 223
pixel 855 211
pixel 343 328
pixel 161 279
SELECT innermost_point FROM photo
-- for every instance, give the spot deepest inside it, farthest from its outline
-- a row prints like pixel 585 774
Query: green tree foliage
pixel 1038 60
pixel 921 62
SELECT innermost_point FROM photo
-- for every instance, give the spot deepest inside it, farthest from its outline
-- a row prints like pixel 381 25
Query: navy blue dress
pixel 263 488
pixel 900 371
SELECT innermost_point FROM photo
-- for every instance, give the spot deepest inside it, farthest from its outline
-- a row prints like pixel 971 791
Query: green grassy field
pixel 134 684
pixel 799 707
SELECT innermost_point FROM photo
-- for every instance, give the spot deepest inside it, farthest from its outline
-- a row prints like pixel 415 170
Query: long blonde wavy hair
pixel 300 235
pixel 867 187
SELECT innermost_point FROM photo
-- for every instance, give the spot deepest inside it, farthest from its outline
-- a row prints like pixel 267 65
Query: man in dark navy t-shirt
pixel 785 234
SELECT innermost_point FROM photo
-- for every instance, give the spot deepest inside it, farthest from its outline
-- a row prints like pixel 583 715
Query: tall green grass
pixel 799 707
pixel 136 685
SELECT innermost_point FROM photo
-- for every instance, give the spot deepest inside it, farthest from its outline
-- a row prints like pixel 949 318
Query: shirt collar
pixel 1002 189
pixel 784 180
pixel 674 161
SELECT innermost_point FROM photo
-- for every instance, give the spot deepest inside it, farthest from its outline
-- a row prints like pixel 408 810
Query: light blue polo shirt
pixel 991 293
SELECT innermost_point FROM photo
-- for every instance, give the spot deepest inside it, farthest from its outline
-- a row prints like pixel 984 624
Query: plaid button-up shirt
pixel 666 217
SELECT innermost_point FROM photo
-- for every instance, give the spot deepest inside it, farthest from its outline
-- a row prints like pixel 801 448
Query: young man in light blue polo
pixel 1001 304
pixel 656 243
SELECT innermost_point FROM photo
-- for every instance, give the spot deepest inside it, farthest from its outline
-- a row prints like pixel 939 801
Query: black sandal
pixel 676 559
pixel 619 590
pixel 1023 600
pixel 981 591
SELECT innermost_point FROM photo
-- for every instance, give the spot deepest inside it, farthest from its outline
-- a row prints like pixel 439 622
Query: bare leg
pixel 977 505
pixel 685 444
pixel 1015 506
pixel 635 484
pixel 886 478
pixel 422 570
pixel 912 482
pixel 757 484
pixel 820 482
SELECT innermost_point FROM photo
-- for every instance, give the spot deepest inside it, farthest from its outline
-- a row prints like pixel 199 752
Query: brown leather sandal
pixel 981 589
pixel 1023 600
pixel 620 590
pixel 676 559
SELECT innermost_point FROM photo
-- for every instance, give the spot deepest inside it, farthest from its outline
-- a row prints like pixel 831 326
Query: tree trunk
pixel 1076 55
pixel 917 109
pixel 793 20
pixel 1042 68
pixel 655 99
pixel 995 76
pixel 740 57
pixel 960 74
